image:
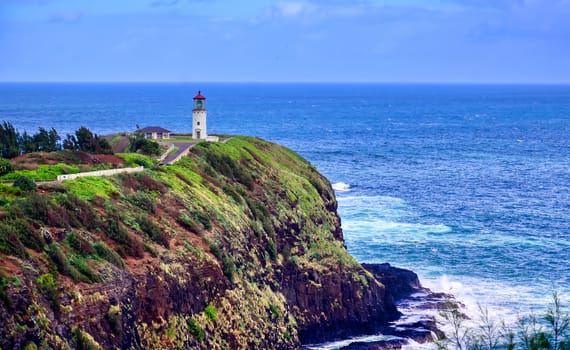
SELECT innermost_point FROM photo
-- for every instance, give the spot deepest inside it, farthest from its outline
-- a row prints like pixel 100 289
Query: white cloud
pixel 293 9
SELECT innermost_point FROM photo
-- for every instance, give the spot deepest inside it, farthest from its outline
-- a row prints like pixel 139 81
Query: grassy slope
pixel 228 218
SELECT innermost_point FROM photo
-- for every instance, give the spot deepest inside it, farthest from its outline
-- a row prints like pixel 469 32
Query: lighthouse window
pixel 197 123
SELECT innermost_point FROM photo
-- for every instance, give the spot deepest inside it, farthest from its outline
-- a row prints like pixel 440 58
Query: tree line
pixel 14 143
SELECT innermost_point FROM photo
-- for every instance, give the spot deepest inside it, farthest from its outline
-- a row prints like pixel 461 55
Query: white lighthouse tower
pixel 199 130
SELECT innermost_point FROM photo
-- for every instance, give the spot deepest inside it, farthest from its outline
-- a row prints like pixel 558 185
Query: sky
pixel 388 41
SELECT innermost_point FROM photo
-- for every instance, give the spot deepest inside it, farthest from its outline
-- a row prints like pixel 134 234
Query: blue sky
pixel 464 41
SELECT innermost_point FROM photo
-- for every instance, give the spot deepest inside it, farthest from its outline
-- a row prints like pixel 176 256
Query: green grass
pixel 173 151
pixel 8 192
pixel 211 313
pixel 88 187
pixel 195 329
pixel 135 159
pixel 43 172
pixel 182 138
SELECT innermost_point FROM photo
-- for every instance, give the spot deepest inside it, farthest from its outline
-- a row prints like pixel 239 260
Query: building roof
pixel 199 96
pixel 153 129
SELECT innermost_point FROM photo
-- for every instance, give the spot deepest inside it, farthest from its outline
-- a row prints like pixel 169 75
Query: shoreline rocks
pixel 414 304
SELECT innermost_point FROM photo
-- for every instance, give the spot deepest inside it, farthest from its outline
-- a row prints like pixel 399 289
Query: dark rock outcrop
pixel 400 283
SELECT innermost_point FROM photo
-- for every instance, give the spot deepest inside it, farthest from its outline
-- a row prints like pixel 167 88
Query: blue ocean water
pixel 467 185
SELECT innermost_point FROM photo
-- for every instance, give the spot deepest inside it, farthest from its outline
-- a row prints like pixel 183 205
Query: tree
pixel 70 142
pixel 84 138
pixel 46 141
pixel 86 141
pixel 9 147
pixel 26 143
pixel 53 141
pixel 101 145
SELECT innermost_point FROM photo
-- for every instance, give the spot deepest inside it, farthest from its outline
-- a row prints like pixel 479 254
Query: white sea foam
pixel 413 345
pixel 346 342
pixel 504 302
pixel 341 187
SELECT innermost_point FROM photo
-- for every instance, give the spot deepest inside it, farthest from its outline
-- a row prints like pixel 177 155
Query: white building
pixel 155 133
pixel 199 129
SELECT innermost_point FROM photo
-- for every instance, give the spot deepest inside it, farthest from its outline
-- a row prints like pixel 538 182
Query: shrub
pixel 529 332
pixel 83 341
pixel 80 213
pixel 4 297
pixel 30 237
pixel 229 268
pixel 195 329
pixel 126 244
pixel 10 243
pixel 79 244
pixel 58 258
pixel 187 222
pixel 210 312
pixel 25 184
pixel 272 249
pixel 114 319
pixel 274 310
pixel 86 274
pixel 144 145
pixel 244 177
pixel 48 285
pixel 150 147
pixel 143 200
pixel 140 182
pixel 5 167
pixel 215 249
pixel 31 346
pixel 35 207
pixel 257 208
pixel 153 231
pixel 202 218
pixel 232 193
pixel 108 254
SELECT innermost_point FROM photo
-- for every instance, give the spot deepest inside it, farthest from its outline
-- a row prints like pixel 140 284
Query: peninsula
pixel 237 245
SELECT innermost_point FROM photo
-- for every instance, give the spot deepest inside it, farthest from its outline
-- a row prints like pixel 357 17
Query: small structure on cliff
pixel 155 133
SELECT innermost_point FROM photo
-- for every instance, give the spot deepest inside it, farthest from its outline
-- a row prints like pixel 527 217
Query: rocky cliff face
pixel 238 245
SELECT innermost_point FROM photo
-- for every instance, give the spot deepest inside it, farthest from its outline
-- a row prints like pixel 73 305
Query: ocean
pixel 467 185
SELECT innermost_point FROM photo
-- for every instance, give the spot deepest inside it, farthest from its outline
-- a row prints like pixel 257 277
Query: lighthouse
pixel 199 130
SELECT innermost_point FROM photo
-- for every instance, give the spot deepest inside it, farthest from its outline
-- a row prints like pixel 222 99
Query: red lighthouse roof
pixel 199 96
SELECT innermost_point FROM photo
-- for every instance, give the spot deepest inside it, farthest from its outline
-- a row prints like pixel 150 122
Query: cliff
pixel 238 245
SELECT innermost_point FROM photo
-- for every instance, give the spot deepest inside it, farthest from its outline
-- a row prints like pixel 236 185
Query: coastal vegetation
pixel 237 245
pixel 139 143
pixel 14 143
pixel 551 330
